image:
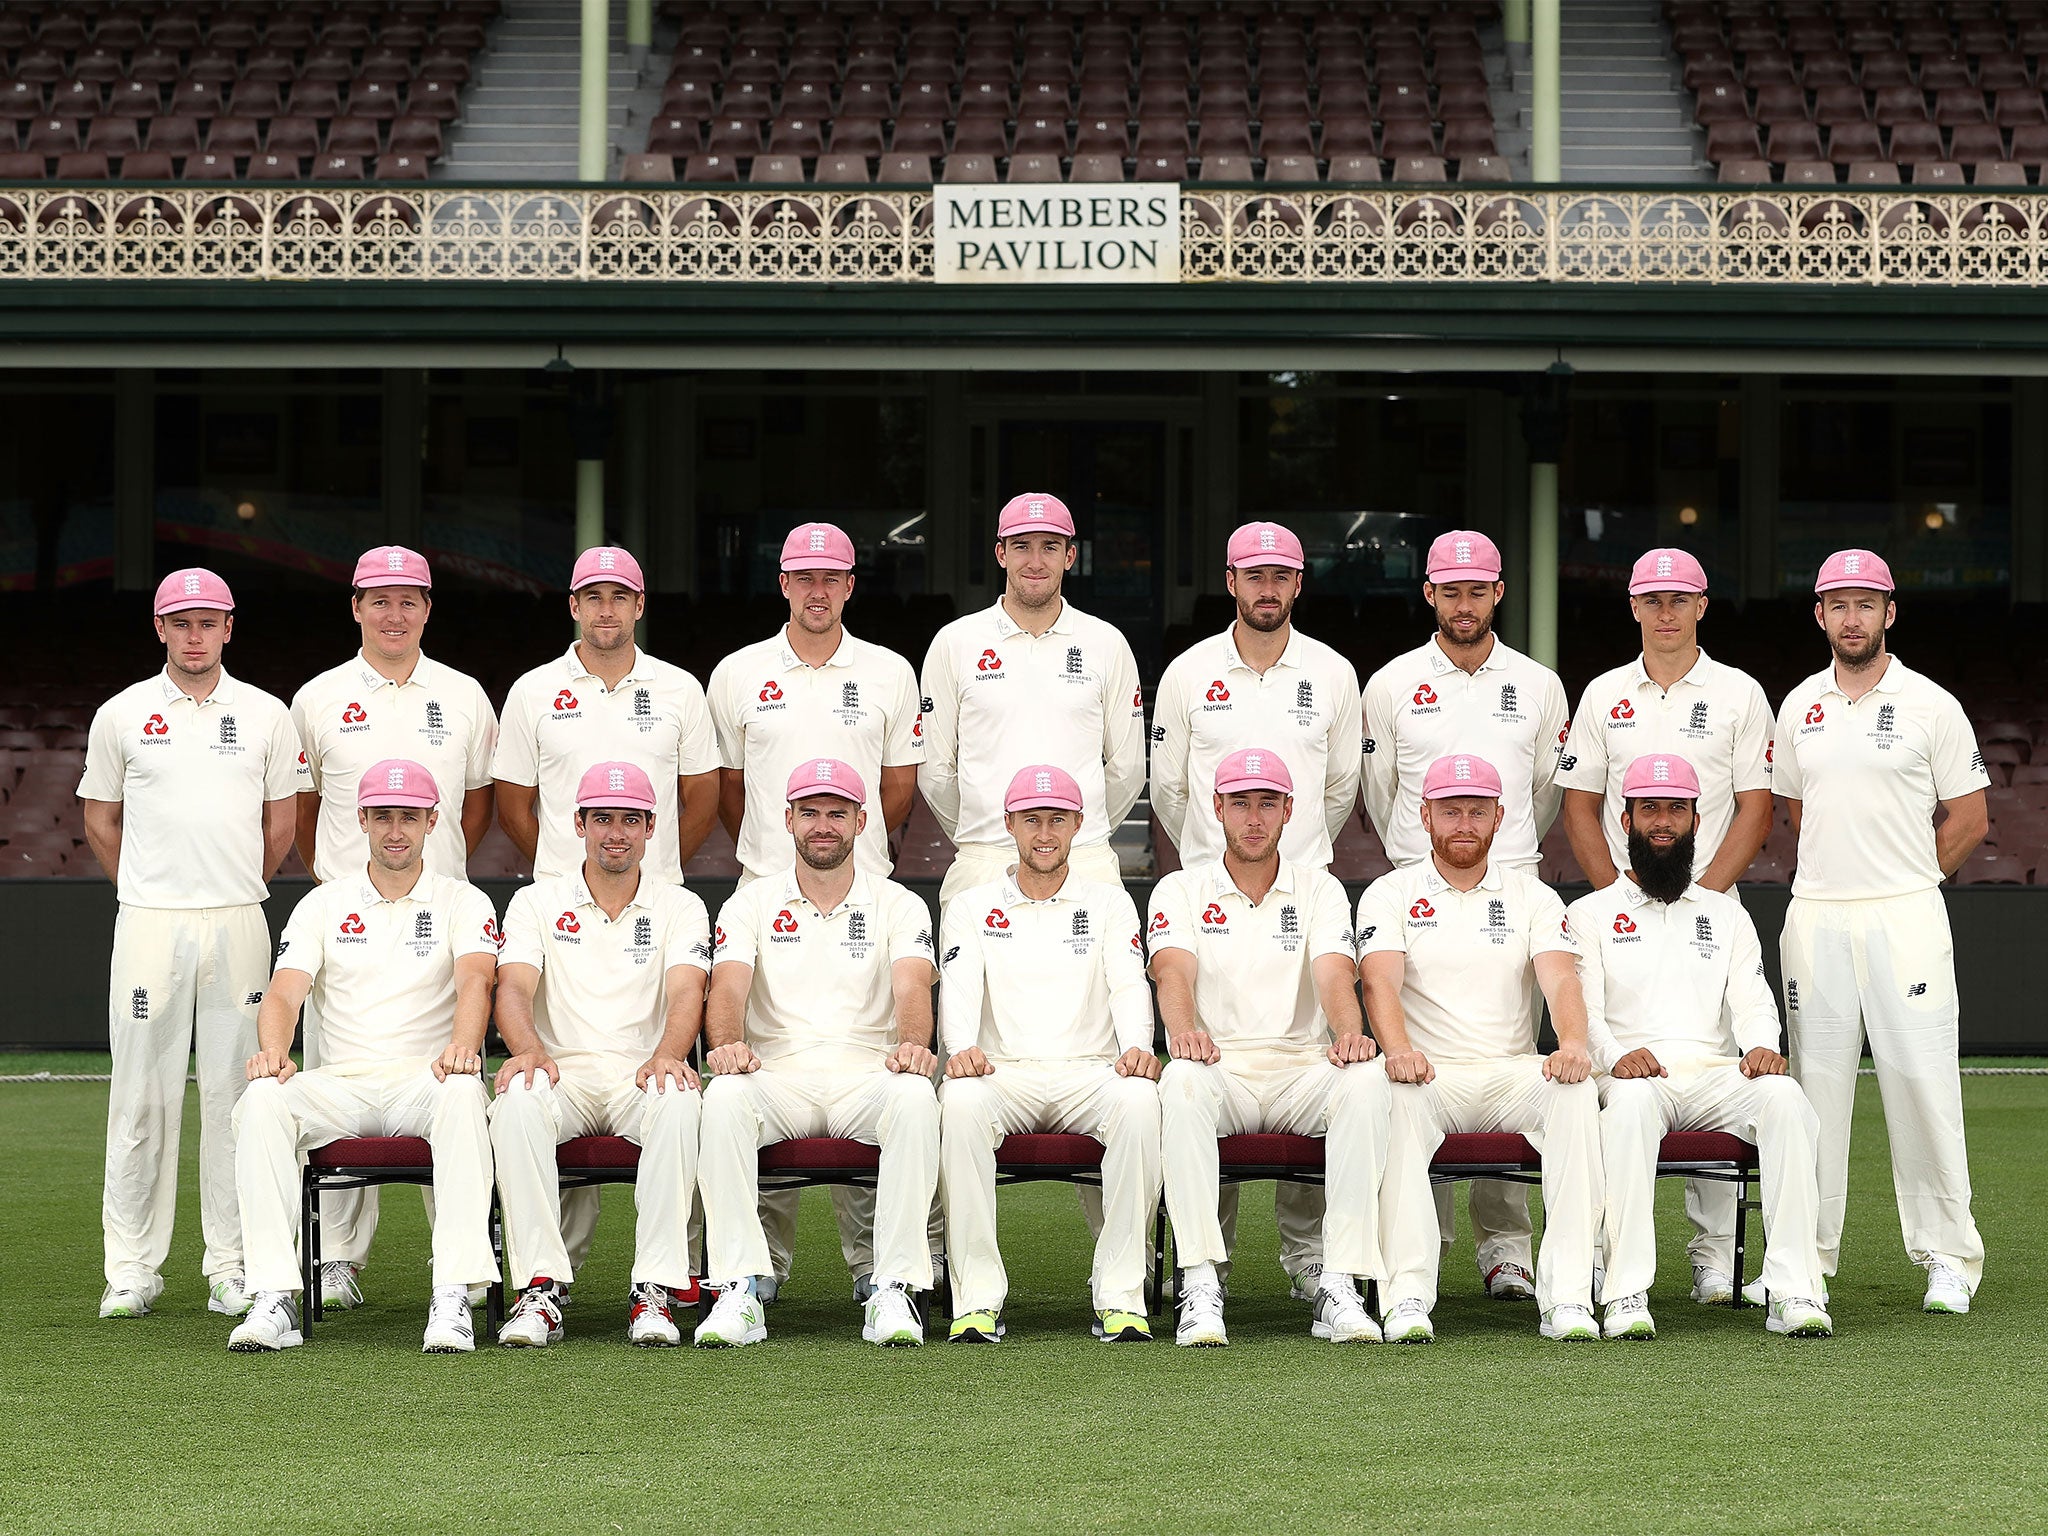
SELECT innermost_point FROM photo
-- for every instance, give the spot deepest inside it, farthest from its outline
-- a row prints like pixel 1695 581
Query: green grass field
pixel 1901 1423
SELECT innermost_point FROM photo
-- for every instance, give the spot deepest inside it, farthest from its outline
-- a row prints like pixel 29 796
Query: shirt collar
pixel 1492 880
pixel 861 894
pixel 1634 895
pixel 842 657
pixel 1695 674
pixel 224 690
pixel 1013 893
pixel 1893 681
pixel 1439 663
pixel 1289 657
pixel 372 678
pixel 635 674
pixel 1225 886
pixel 1007 626
pixel 579 894
pixel 371 895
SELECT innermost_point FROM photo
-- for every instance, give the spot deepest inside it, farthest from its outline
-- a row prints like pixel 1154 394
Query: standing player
pixel 1869 749
pixel 1680 1022
pixel 1047 1023
pixel 1448 949
pixel 188 794
pixel 1252 956
pixel 1030 679
pixel 401 961
pixel 600 992
pixel 820 1024
pixel 1465 690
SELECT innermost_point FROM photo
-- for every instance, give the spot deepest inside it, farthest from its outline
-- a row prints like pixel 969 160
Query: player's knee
pixel 672 1106
pixel 1362 1085
pixel 1134 1105
pixel 1781 1101
pixel 964 1100
pixel 1629 1100
pixel 263 1101
pixel 725 1095
pixel 461 1094
pixel 1185 1083
pixel 1575 1100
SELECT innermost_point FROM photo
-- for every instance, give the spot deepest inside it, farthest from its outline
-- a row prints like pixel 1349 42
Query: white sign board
pixel 1056 233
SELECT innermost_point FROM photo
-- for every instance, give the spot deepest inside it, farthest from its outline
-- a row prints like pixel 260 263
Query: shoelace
pixel 648 1296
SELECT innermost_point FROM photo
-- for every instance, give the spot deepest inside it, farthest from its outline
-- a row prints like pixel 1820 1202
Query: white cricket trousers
pixel 181 980
pixel 746 1111
pixel 1561 1120
pixel 1303 1095
pixel 1770 1112
pixel 1886 967
pixel 596 1097
pixel 1084 1098
pixel 277 1123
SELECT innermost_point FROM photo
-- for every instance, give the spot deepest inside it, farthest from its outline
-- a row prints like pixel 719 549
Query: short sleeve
pixel 1380 929
pixel 686 937
pixel 1172 923
pixel 735 937
pixel 1329 919
pixel 287 772
pixel 726 729
pixel 1549 929
pixel 910 927
pixel 525 939
pixel 303 947
pixel 697 745
pixel 476 924
pixel 517 760
pixel 483 739
pixel 1786 779
pixel 309 739
pixel 903 745
pixel 106 764
pixel 1752 763
pixel 1583 764
pixel 1953 756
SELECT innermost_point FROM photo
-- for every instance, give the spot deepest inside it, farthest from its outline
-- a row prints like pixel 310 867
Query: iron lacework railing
pixel 1965 237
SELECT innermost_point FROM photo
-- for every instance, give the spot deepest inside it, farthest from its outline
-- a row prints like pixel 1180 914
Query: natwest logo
pixel 1217 694
pixel 353 714
pixel 1422 908
pixel 1213 915
pixel 154 726
pixel 1623 923
pixel 1622 711
pixel 990 662
pixel 353 923
pixel 567 923
pixel 1425 694
pixel 1159 922
pixel 770 691
pixel 785 921
pixel 566 700
pixel 995 918
pixel 1815 715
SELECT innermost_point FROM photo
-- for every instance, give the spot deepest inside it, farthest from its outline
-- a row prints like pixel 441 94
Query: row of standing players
pixel 1033 679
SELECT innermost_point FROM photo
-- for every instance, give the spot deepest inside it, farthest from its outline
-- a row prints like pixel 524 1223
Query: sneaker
pixel 1510 1282
pixel 338 1289
pixel 736 1318
pixel 1712 1287
pixel 1113 1327
pixel 1628 1317
pixel 890 1318
pixel 976 1328
pixel 1304 1286
pixel 1201 1318
pixel 648 1323
pixel 272 1323
pixel 1340 1313
pixel 125 1301
pixel 1571 1322
pixel 1798 1318
pixel 536 1319
pixel 229 1297
pixel 1947 1291
pixel 1180 1281
pixel 864 1287
pixel 1408 1323
pixel 449 1331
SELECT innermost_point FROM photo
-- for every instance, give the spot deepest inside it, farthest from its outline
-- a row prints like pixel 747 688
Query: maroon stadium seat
pixel 1098 167
pixel 1746 172
pixel 297 137
pixel 711 168
pixel 648 168
pixel 970 168
pixel 406 167
pixel 842 169
pixel 142 166
pixel 905 170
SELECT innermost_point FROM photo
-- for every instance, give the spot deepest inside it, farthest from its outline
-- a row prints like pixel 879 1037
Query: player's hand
pixel 1763 1062
pixel 525 1065
pixel 737 1057
pixel 662 1070
pixel 969 1063
pixel 1346 1049
pixel 1568 1064
pixel 912 1058
pixel 1195 1045
pixel 458 1061
pixel 277 1064
pixel 1639 1063
pixel 1138 1062
pixel 1409 1066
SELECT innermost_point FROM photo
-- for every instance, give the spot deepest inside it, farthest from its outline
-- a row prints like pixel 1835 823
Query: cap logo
pixel 1663 565
pixel 1042 783
pixel 1462 551
pixel 1461 769
pixel 616 779
pixel 191 583
pixel 395 779
pixel 1660 770
pixel 394 559
pixel 824 772
pixel 1254 763
pixel 607 561
pixel 817 540
pixel 1852 565
pixel 1266 539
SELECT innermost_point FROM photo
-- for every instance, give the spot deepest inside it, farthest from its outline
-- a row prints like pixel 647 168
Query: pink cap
pixel 1042 787
pixel 1667 570
pixel 606 564
pixel 817 547
pixel 391 565
pixel 1855 568
pixel 1034 512
pixel 193 587
pixel 615 786
pixel 397 781
pixel 1264 544
pixel 1661 776
pixel 1461 774
pixel 826 776
pixel 1462 555
pixel 1253 768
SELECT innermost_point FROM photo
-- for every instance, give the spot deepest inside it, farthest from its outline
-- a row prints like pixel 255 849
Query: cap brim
pixel 1267 557
pixel 187 605
pixel 1036 804
pixel 1461 573
pixel 613 803
pixel 1852 584
pixel 1462 792
pixel 1240 786
pixel 824 792
pixel 402 802
pixel 389 579
pixel 816 563
pixel 1644 589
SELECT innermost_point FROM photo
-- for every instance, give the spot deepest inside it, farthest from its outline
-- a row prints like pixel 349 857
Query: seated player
pixel 398 963
pixel 1681 1021
pixel 1047 1024
pixel 600 992
pixel 820 1024
pixel 1448 949
pixel 1252 955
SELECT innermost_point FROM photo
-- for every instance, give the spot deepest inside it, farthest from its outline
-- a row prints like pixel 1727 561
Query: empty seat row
pixel 71 28
pixel 149 166
pixel 157 67
pixel 1889 107
pixel 1881 173
pixel 179 136
pixel 21 101
pixel 854 170
pixel 1904 144
pixel 704 99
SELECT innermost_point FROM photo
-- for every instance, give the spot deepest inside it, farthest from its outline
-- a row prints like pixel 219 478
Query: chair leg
pixel 1161 1238
pixel 1743 1206
pixel 309 1248
pixel 494 1297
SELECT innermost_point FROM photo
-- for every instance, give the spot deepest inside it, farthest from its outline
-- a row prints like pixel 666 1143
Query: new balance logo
pixel 1918 989
pixel 254 999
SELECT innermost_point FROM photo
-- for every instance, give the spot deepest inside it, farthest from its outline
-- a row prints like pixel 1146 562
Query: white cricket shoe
pixel 736 1318
pixel 229 1296
pixel 1947 1291
pixel 126 1301
pixel 1306 1285
pixel 648 1323
pixel 1340 1313
pixel 1201 1317
pixel 1799 1318
pixel 338 1289
pixel 1567 1321
pixel 1628 1317
pixel 890 1319
pixel 536 1319
pixel 272 1323
pixel 1408 1323
pixel 1712 1287
pixel 1510 1282
pixel 449 1330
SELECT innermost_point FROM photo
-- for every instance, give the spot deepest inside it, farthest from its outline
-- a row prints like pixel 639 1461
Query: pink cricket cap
pixel 392 565
pixel 1660 776
pixel 826 776
pixel 1459 775
pixel 1253 768
pixel 1667 570
pixel 606 564
pixel 817 547
pixel 1042 787
pixel 1855 568
pixel 615 786
pixel 1462 555
pixel 397 781
pixel 193 587
pixel 1034 512
pixel 1264 544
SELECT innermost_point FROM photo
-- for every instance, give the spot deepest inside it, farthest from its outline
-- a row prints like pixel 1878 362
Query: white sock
pixel 1200 1274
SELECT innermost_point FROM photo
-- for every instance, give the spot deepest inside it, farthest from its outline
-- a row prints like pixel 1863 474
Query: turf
pixel 1903 1422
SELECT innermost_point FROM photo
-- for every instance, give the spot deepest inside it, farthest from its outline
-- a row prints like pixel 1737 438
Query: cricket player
pixel 600 994
pixel 1252 957
pixel 188 794
pixel 1448 949
pixel 1465 690
pixel 400 962
pixel 1868 749
pixel 1047 1024
pixel 1030 679
pixel 820 1024
pixel 1683 1030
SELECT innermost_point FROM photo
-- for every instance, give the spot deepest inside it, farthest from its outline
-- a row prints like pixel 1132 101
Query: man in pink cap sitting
pixel 1683 1030
pixel 820 1024
pixel 1252 957
pixel 1451 951
pixel 400 961
pixel 1868 752
pixel 1047 1024
pixel 190 783
pixel 600 994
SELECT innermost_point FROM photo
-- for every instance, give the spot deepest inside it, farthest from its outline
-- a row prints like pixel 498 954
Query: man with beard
pixel 820 1024
pixel 1047 1024
pixel 600 992
pixel 188 794
pixel 1680 1021
pixel 1252 956
pixel 1466 691
pixel 1448 950
pixel 1869 749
